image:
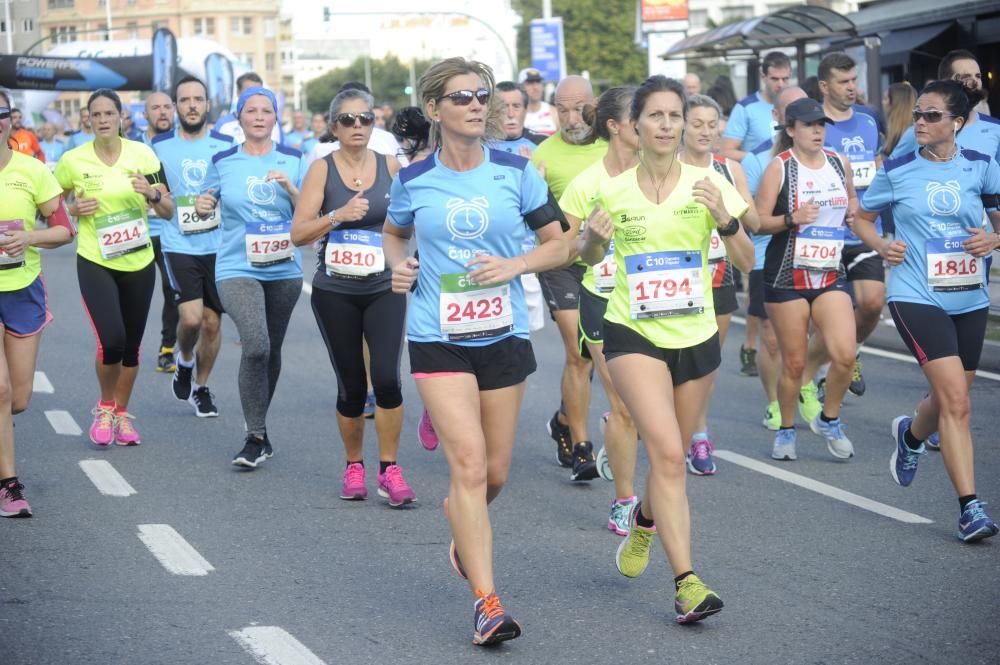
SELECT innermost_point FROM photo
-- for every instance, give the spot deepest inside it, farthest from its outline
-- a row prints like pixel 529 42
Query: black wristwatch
pixel 789 221
pixel 731 228
pixel 157 198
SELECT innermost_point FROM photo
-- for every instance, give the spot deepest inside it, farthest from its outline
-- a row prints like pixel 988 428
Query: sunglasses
pixel 4 113
pixel 348 119
pixel 464 97
pixel 930 116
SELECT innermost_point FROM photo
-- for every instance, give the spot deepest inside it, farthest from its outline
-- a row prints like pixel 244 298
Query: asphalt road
pixel 289 574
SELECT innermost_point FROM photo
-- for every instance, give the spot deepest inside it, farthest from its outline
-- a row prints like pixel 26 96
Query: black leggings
pixel 169 317
pixel 343 321
pixel 117 303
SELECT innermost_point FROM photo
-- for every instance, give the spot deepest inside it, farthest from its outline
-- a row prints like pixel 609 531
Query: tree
pixel 600 38
pixel 389 77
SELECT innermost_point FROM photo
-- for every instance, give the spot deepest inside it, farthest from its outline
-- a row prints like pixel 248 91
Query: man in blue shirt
pixel 517 139
pixel 190 243
pixel 51 146
pixel 300 133
pixel 750 122
pixel 84 134
pixel 159 114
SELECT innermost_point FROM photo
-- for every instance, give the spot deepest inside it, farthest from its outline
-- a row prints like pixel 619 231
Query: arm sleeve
pixel 400 204
pixel 879 194
pixel 736 126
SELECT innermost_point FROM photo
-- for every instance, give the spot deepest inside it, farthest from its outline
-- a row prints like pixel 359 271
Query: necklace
pixel 652 180
pixel 357 172
pixel 939 157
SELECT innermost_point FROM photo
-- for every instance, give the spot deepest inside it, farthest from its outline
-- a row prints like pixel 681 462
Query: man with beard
pixel 560 158
pixel 190 243
pixel 159 114
pixel 84 134
pixel 22 139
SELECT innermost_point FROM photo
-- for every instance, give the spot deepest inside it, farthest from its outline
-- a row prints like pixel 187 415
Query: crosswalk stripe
pixel 41 384
pixel 62 422
pixel 106 478
pixel 175 553
pixel 270 645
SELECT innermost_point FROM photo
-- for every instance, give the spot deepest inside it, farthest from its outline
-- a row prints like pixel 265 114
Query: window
pixel 3 26
pixel 698 18
pixel 156 25
pixel 269 27
pixel 132 30
pixel 736 13
pixel 60 4
pixel 29 25
pixel 204 26
pixel 269 61
pixel 248 25
pixel 246 58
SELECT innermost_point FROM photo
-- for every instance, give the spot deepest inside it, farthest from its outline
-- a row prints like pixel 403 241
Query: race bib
pixel 121 233
pixel 6 261
pixel 716 248
pixel 604 272
pixel 469 311
pixel 864 173
pixel 949 268
pixel 818 247
pixel 354 253
pixel 665 284
pixel 268 243
pixel 189 221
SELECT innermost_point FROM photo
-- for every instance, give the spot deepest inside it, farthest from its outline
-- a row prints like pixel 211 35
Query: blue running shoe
pixel 699 459
pixel 933 442
pixel 975 524
pixel 492 622
pixel 784 445
pixel 903 463
pixel 836 441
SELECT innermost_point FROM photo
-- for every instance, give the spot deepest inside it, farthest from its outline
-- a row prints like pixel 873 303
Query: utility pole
pixel 10 28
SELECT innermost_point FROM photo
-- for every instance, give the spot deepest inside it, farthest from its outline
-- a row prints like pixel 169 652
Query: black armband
pixel 549 212
pixel 158 178
pixel 990 201
pixel 731 228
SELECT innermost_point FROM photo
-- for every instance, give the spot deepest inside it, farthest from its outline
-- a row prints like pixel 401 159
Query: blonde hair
pixel 434 83
pixel 902 99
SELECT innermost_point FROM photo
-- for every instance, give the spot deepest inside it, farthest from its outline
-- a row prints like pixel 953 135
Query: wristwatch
pixel 156 199
pixel 789 221
pixel 329 215
pixel 731 228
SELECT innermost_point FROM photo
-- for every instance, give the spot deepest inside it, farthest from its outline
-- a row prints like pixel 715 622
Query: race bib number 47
pixel 121 233
pixel 469 311
pixel 665 284
pixel 949 268
pixel 268 243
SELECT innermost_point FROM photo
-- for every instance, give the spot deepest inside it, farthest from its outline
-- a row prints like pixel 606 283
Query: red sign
pixel 664 10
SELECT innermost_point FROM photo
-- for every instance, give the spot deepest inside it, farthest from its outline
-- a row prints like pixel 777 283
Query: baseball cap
pixel 529 74
pixel 806 109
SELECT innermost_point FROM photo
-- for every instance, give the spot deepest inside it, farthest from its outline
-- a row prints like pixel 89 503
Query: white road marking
pixel 106 478
pixel 175 553
pixel 270 645
pixel 892 355
pixel 42 384
pixel 62 422
pixel 822 488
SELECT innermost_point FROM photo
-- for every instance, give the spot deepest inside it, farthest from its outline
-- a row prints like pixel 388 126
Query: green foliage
pixel 599 37
pixel 389 79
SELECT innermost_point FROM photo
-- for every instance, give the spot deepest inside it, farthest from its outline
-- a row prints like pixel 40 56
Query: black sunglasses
pixel 4 112
pixel 464 97
pixel 930 116
pixel 348 119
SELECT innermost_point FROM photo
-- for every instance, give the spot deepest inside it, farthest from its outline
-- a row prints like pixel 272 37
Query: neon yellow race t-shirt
pixel 117 235
pixel 564 161
pixel 663 284
pixel 25 183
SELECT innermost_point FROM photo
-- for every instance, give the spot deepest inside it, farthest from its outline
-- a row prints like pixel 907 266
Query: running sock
pixel 101 404
pixel 8 481
pixel 120 410
pixel 194 387
pixel 383 465
pixel 700 436
pixel 184 363
pixel 642 520
pixel 825 418
pixel 964 501
pixel 911 441
pixel 680 578
pixel 360 461
pixel 784 429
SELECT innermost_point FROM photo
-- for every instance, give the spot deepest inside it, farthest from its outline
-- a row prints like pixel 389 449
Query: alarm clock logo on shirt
pixel 260 191
pixel 193 171
pixel 467 220
pixel 943 197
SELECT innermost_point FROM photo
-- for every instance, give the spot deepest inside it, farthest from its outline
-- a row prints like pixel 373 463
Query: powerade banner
pixel 156 71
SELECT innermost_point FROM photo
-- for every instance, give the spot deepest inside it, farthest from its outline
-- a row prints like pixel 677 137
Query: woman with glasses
pixel 937 293
pixel 115 183
pixel 805 198
pixel 29 189
pixel 343 205
pixel 257 269
pixel 471 208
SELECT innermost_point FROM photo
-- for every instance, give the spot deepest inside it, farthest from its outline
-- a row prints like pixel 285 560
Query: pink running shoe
pixel 353 487
pixel 102 431
pixel 12 501
pixel 392 486
pixel 425 432
pixel 125 434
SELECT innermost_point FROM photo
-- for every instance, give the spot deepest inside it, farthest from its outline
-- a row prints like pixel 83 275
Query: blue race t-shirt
pixel 859 140
pixel 754 165
pixel 514 146
pixel 982 136
pixel 296 139
pixel 256 213
pixel 458 215
pixel 186 164
pixel 750 121
pixel 933 204
pixel 78 139
pixel 53 150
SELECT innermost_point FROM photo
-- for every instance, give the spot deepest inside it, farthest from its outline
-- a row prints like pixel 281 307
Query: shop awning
pixel 897 44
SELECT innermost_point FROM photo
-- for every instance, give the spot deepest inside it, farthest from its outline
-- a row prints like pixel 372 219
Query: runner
pixel 610 122
pixel 29 190
pixel 769 359
pixel 540 116
pixel 805 195
pixel 84 133
pixel 660 337
pixel 114 180
pixel 22 139
pixel 159 113
pixel 258 271
pixel 700 134
pixel 937 296
pixel 230 124
pixel 343 204
pixel 560 158
pixel 381 141
pixel 51 146
pixel 517 138
pixel 470 371
pixel 190 244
